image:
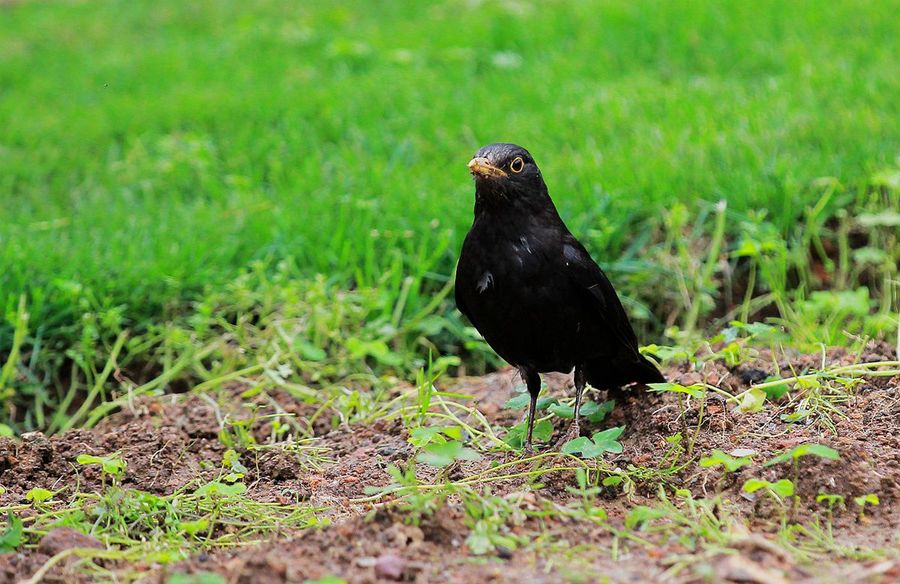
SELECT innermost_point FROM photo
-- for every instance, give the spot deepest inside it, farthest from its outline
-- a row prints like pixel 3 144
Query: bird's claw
pixel 572 433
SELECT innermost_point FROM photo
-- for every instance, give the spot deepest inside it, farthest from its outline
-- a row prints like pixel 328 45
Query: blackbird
pixel 533 291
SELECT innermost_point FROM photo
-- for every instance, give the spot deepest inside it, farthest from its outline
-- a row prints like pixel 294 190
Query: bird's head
pixel 507 174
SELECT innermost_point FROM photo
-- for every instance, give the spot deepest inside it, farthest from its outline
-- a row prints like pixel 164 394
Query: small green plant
pixel 729 463
pixel 596 445
pixel 216 490
pixel 590 410
pixel 12 537
pixel 425 435
pixel 194 527
pixel 588 491
pixel 112 465
pixel 416 502
pixel 686 392
pixel 238 434
pixel 832 501
pixel 425 380
pixel 862 501
pixel 327 580
pixel 38 496
pixel 778 490
pixel 615 480
pixel 796 453
pixel 515 436
pixel 196 578
pixel 232 468
pixel 442 454
pixel 674 451
pixel 641 515
pixel 487 517
pixel 752 400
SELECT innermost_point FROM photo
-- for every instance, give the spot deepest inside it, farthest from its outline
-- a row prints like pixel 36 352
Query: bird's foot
pixel 528 449
pixel 572 433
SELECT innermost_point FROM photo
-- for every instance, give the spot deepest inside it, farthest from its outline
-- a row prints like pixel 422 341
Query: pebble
pixel 390 567
pixel 63 538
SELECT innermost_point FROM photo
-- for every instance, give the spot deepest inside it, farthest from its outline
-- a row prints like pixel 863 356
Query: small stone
pixel 489 409
pixel 740 569
pixel 504 552
pixel 390 567
pixel 388 450
pixel 405 535
pixel 64 538
pixel 752 375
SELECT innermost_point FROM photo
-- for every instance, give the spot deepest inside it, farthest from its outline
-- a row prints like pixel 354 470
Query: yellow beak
pixel 482 167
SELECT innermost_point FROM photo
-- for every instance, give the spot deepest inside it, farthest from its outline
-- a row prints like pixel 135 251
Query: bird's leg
pixel 533 382
pixel 579 390
pixel 575 429
pixel 528 448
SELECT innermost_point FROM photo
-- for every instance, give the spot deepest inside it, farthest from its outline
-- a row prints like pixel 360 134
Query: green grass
pixel 151 150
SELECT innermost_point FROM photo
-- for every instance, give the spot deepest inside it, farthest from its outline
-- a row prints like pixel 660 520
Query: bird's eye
pixel 517 165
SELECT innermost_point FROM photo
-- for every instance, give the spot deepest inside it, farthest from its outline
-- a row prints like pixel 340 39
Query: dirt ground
pixel 170 441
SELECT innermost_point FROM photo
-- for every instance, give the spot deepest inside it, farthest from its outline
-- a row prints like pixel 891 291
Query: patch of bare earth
pixel 173 441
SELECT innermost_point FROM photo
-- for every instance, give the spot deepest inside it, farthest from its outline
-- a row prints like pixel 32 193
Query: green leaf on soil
pixel 197 578
pixel 425 435
pixel 782 488
pixel 522 400
pixel 219 489
pixel 11 538
pixel 753 485
pixel 38 495
pixel 515 437
pixel 597 445
pixel 796 452
pixel 562 410
pixel 641 515
pixel 595 412
pixel 774 392
pixel 112 464
pixel 194 527
pixel 795 417
pixel 863 500
pixel 696 390
pixel 445 454
pixel 719 458
pixel 590 410
pixel 518 402
pixel 612 481
pixel 752 401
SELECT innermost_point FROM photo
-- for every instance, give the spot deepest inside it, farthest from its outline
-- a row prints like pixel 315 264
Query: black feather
pixel 532 289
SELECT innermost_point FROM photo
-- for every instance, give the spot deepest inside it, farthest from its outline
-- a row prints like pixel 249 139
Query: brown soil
pixel 171 441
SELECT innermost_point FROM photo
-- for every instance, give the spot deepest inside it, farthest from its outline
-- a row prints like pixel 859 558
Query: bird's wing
pixel 586 275
pixel 459 296
pixel 461 286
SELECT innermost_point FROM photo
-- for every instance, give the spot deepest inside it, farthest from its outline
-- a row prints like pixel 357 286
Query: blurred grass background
pixel 152 151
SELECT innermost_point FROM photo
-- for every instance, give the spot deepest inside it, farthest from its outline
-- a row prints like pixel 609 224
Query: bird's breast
pixel 517 293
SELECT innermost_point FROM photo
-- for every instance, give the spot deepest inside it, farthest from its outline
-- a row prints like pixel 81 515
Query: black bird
pixel 533 291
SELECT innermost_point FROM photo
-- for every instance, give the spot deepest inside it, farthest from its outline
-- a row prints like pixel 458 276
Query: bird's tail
pixel 614 374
